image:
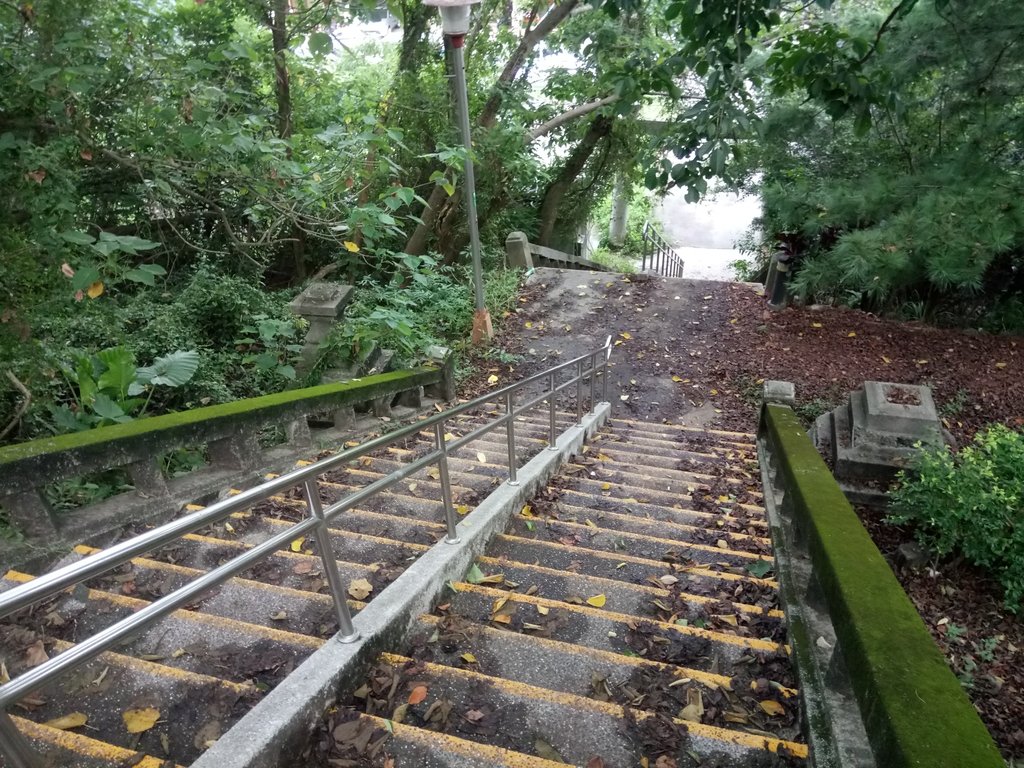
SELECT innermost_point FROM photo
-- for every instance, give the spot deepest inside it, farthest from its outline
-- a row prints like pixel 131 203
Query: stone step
pixel 702 509
pixel 276 596
pixel 226 648
pixel 192 708
pixel 68 749
pixel 512 710
pixel 699 530
pixel 649 600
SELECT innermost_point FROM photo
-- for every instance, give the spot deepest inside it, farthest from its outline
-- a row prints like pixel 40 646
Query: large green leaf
pixel 119 371
pixel 106 408
pixel 171 370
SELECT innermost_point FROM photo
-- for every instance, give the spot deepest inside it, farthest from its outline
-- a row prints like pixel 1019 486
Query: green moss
pixel 343 393
pixel 914 709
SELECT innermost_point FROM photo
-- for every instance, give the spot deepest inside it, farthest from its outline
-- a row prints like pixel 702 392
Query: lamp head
pixel 454 15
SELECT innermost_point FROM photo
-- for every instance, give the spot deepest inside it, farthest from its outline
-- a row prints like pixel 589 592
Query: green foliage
pixel 971 503
pixel 916 206
pixel 106 386
pixel 613 261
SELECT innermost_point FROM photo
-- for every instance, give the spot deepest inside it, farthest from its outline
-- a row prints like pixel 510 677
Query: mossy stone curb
pixel 914 710
pixel 55 457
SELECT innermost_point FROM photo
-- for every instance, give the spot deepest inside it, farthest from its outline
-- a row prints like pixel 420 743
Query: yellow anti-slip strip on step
pixel 84 746
pixel 153 669
pixel 705 678
pixel 601 514
pixel 578 703
pixel 134 604
pixel 609 615
pixel 601 583
pixel 359 536
pixel 479 754
pixel 627 535
pixel 640 490
pixel 618 557
pixel 192 573
pixel 680 428
pixel 630 471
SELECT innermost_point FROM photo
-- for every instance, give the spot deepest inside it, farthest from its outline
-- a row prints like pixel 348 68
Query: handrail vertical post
pixel 446 485
pixel 510 432
pixel 14 747
pixel 604 379
pixel 593 381
pixel 347 632
pixel 579 394
pixel 552 435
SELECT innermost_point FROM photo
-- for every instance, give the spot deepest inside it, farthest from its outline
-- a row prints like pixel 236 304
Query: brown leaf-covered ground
pixel 697 352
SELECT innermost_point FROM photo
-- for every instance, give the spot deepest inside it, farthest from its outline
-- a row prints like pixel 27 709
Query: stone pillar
pixel 147 478
pixel 445 389
pixel 239 451
pixel 30 513
pixel 517 251
pixel 321 304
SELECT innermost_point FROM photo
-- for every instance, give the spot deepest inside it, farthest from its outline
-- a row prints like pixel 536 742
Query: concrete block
pixel 411 398
pixel 322 299
pixel 30 513
pixel 782 392
pixel 517 251
pixel 147 478
pixel 904 409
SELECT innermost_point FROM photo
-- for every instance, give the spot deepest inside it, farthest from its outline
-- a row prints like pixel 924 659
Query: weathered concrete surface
pixel 283 719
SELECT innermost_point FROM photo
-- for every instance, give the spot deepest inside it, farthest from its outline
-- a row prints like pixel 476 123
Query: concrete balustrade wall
pixel 311 418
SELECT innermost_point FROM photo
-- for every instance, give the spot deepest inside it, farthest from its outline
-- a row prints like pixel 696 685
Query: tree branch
pixel 565 117
pixel 24 404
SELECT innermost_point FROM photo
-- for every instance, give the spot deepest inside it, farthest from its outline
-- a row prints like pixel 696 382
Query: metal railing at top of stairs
pixel 659 255
pixel 16 750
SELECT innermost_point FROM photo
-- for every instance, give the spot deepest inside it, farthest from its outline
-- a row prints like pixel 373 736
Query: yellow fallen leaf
pixel 481 457
pixel 773 708
pixel 886 360
pixel 815 325
pixel 297 545
pixel 492 379
pixel 469 658
pixel 360 589
pixel 626 335
pixel 448 436
pixel 139 720
pixel 74 720
pixel 462 509
pixel 597 601
pixel 528 324
pixel 851 334
pixel 350 246
pixel 723 499
pixel 543 610
pixel 714 391
pixel 922 362
pixel 1000 365
pixel 676 379
pixel 95 290
pixel 527 511
pixel 733 320
pixel 591 523
pixel 606 486
pixel 617 342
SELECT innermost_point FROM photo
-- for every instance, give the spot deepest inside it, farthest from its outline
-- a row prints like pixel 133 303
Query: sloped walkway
pixel 627 616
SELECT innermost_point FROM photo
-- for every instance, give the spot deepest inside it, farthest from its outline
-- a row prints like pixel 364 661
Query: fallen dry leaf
pixel 597 601
pixel 469 658
pixel 360 589
pixel 773 708
pixel 418 694
pixel 139 720
pixel 35 654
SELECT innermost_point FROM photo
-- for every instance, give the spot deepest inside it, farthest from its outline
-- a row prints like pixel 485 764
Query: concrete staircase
pixel 201 669
pixel 626 616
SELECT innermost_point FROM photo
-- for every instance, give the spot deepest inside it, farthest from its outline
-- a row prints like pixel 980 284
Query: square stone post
pixel 321 304
pixel 517 251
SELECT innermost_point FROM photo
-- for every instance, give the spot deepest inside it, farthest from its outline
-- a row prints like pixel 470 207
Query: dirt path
pixel 663 332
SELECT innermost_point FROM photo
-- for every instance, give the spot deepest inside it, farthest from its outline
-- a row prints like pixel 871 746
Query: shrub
pixel 971 502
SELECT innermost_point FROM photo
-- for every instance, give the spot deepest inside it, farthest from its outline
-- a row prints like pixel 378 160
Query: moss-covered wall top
pixel 914 709
pixel 53 457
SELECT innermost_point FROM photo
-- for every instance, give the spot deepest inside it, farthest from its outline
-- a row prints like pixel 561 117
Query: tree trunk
pixel 417 243
pixel 600 127
pixel 415 18
pixel 278 23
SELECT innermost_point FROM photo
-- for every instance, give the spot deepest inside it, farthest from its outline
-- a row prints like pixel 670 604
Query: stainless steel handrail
pixel 663 258
pixel 13 746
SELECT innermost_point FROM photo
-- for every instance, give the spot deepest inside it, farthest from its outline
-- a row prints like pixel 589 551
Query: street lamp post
pixel 455 24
